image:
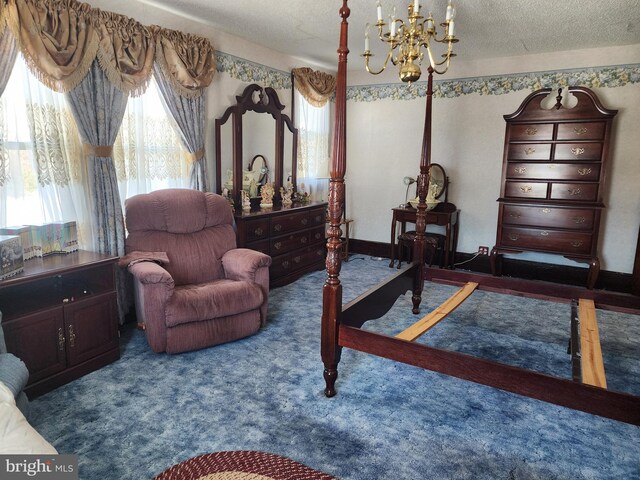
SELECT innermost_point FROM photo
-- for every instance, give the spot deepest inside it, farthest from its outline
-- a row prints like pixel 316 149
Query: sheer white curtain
pixel 43 177
pixel 313 146
pixel 148 152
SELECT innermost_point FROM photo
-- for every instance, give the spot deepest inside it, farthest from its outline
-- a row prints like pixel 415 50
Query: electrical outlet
pixel 483 250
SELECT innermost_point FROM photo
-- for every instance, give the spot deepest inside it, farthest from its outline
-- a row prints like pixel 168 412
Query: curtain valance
pixel 316 87
pixel 60 39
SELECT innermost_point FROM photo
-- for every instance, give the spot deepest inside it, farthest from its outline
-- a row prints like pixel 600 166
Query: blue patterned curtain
pixel 98 108
pixel 189 115
pixel 8 53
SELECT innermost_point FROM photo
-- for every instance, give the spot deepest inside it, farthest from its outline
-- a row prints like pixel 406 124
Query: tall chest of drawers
pixel 294 237
pixel 553 174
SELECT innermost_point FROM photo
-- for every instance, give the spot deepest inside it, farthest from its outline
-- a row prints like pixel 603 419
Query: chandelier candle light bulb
pixel 406 40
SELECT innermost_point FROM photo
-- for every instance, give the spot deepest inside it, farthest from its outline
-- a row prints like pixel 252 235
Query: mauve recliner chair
pixel 205 291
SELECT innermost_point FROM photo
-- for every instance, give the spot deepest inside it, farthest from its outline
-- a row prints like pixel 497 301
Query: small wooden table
pixel 444 214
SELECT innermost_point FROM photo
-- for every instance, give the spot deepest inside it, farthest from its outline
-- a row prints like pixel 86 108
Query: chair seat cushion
pixel 205 301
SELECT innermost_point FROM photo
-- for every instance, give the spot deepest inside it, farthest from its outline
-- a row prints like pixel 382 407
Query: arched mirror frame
pixel 254 98
pixel 442 179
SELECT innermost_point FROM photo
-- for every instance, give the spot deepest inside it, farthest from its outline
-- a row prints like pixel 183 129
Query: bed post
pixel 423 184
pixel 332 289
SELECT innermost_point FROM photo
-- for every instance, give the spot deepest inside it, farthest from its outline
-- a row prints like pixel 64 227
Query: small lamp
pixel 408 181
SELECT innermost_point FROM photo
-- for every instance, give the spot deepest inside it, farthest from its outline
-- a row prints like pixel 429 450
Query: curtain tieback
pixel 195 156
pixel 98 150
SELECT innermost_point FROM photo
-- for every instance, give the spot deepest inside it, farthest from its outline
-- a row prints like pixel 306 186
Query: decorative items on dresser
pixel 552 178
pixel 59 316
pixel 293 236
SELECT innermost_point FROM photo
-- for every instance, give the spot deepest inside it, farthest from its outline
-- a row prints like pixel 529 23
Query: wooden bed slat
pixel 432 318
pixel 590 350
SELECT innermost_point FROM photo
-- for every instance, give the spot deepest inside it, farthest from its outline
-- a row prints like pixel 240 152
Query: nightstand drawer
pixel 529 132
pixel 547 240
pixel 581 131
pixel 525 189
pixel 551 217
pixel 529 151
pixel 554 171
pixel 585 192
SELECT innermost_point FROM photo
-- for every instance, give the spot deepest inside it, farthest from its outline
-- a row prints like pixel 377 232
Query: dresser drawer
pixel 578 151
pixel 289 223
pixel 551 217
pixel 260 246
pixel 300 259
pixel 547 240
pixel 554 171
pixel 525 189
pixel 529 132
pixel 585 192
pixel 286 243
pixel 257 230
pixel 529 151
pixel 317 235
pixel 581 131
pixel 317 217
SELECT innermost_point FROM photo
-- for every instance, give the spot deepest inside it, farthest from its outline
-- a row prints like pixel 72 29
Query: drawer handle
pixel 515 215
pixel 258 232
pixel 61 339
pixel 584 171
pixel 318 218
pixel 577 243
pixel 520 170
pixel 320 253
pixel 579 220
pixel 72 337
pixel 580 130
pixel 546 210
pixel 318 236
pixel 297 259
pixel 514 236
pixel 304 221
pixel 577 151
pixel 285 264
pixel 544 233
pixel 531 131
pixel 529 150
pixel 278 245
pixel 574 191
pixel 526 189
pixel 277 227
pixel 303 240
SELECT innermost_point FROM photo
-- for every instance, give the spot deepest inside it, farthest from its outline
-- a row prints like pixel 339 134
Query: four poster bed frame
pixel 341 325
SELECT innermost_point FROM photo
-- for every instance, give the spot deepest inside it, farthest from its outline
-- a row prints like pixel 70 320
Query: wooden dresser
pixel 552 179
pixel 293 236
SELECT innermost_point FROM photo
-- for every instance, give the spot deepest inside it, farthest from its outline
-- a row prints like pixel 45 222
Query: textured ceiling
pixel 496 28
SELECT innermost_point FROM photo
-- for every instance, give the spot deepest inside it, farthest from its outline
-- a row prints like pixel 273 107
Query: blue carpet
pixel 146 412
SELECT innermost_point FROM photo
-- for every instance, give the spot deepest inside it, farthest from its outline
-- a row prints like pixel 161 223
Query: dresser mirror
pixel 255 143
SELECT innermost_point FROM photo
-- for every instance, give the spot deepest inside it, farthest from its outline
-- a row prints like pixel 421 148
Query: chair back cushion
pixel 194 228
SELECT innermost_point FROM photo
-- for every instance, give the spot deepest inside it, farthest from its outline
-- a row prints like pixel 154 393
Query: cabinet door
pixel 91 327
pixel 38 340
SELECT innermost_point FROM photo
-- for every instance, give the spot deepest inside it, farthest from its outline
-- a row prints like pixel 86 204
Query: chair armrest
pixel 151 273
pixel 243 263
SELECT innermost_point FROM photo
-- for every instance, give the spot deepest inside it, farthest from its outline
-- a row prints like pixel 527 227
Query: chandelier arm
pixel 384 65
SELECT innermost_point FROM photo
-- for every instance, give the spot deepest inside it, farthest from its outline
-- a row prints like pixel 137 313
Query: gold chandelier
pixel 408 38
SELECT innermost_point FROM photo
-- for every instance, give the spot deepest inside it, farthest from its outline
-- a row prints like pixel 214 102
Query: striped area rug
pixel 241 465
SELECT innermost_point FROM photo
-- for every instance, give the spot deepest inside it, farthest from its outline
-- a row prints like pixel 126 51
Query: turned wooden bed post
pixel 423 185
pixel 332 289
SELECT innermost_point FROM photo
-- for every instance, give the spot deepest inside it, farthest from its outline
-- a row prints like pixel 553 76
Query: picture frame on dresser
pixel 553 176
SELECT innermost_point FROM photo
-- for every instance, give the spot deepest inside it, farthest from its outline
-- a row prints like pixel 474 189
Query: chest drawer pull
pixel 580 130
pixel 515 215
pixel 72 337
pixel 61 340
pixel 520 170
pixel 584 171
pixel 258 232
pixel 526 189
pixel 320 253
pixel 304 221
pixel 297 259
pixel 531 131
pixel 277 227
pixel 318 218
pixel 514 236
pixel 546 210
pixel 278 245
pixel 544 233
pixel 529 150
pixel 574 191
pixel 577 243
pixel 303 240
pixel 318 236
pixel 579 220
pixel 577 151
pixel 285 264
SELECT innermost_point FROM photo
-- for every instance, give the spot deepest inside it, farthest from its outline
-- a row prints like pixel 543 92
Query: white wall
pixel 385 137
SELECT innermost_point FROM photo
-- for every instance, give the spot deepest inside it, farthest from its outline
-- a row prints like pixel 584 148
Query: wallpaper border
pixel 252 72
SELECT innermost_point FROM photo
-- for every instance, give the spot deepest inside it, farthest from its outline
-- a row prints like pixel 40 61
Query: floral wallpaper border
pixel 252 72
pixel 596 77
